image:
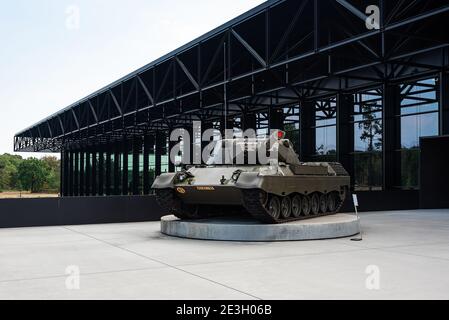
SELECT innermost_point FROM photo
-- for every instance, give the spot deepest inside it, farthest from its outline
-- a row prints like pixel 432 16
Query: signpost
pixel 355 201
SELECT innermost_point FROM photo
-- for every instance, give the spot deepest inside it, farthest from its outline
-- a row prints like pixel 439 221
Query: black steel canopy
pixel 281 52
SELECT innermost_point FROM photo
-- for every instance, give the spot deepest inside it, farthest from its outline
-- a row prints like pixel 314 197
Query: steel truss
pixel 281 53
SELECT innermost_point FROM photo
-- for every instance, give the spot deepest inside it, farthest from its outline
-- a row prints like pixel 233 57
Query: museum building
pixel 363 83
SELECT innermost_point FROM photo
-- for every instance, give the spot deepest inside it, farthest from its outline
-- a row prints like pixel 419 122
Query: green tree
pixel 33 174
pixel 9 172
pixel 54 166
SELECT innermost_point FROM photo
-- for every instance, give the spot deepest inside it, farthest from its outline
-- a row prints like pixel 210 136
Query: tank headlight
pixel 182 177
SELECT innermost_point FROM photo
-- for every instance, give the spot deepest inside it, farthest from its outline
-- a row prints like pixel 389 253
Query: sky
pixel 55 52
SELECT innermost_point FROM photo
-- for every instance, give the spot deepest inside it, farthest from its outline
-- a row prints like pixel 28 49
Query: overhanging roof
pixel 280 52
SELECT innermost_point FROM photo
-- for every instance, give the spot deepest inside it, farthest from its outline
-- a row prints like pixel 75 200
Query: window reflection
pixel 418 118
pixel 368 145
pixel 326 130
pixel 292 125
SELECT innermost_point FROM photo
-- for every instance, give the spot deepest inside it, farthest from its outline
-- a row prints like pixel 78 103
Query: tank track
pixel 255 201
pixel 167 200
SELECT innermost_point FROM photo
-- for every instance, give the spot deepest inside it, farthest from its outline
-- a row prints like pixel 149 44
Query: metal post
pixel 76 191
pixel 308 134
pixel 226 124
pixel 171 145
pixel 108 179
pixel 148 149
pixel 391 137
pixel 117 162
pixel 88 174
pixel 160 144
pixel 125 168
pixel 82 182
pixel 70 174
pixel 444 103
pixel 204 127
pixel 101 172
pixel 276 118
pixel 249 121
pixel 137 149
pixel 94 178
pixel 65 160
pixel 345 133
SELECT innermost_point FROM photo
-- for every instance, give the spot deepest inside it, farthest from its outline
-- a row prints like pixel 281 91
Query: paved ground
pixel 405 253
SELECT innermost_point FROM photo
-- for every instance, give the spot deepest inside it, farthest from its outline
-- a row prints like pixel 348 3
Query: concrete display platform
pixel 247 229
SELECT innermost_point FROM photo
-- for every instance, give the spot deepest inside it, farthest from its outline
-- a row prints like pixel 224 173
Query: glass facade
pixel 368 144
pixel 292 125
pixel 419 117
pixel 326 130
pixel 409 112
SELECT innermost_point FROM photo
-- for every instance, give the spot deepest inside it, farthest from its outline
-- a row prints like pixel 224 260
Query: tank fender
pixel 164 181
pixel 249 180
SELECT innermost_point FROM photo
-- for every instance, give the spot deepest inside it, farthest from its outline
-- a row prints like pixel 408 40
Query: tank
pixel 282 190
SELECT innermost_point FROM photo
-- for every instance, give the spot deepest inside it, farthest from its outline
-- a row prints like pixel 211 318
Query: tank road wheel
pixel 315 204
pixel 331 202
pixel 286 207
pixel 274 207
pixel 323 203
pixel 306 206
pixel 297 206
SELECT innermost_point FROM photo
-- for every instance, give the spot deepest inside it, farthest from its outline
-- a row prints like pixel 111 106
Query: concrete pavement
pixel 404 255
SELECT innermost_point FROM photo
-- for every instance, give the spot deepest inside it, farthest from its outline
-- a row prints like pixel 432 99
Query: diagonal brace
pixel 249 48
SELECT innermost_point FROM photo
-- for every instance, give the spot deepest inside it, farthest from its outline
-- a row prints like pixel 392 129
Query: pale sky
pixel 48 60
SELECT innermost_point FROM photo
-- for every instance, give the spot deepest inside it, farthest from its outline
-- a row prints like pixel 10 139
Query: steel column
pixel 94 178
pixel 307 132
pixel 88 175
pixel 204 127
pixel 276 118
pixel 137 150
pixel 148 149
pixel 444 103
pixel 125 169
pixel 249 121
pixel 64 185
pixel 171 165
pixel 76 184
pixel 108 179
pixel 117 162
pixel 161 143
pixel 70 175
pixel 101 172
pixel 82 182
pixel 391 137
pixel 345 132
pixel 226 123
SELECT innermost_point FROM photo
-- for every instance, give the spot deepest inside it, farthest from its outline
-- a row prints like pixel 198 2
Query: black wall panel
pixel 435 172
pixel 16 213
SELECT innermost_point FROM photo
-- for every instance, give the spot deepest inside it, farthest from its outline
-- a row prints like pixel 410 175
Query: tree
pixel 8 171
pixel 54 166
pixel 33 174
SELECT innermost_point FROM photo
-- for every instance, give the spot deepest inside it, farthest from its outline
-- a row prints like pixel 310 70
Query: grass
pixel 26 195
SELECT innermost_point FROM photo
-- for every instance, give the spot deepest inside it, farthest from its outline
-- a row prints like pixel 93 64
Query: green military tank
pixel 283 190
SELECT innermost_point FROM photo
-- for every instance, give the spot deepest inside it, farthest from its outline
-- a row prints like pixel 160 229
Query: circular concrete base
pixel 243 229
